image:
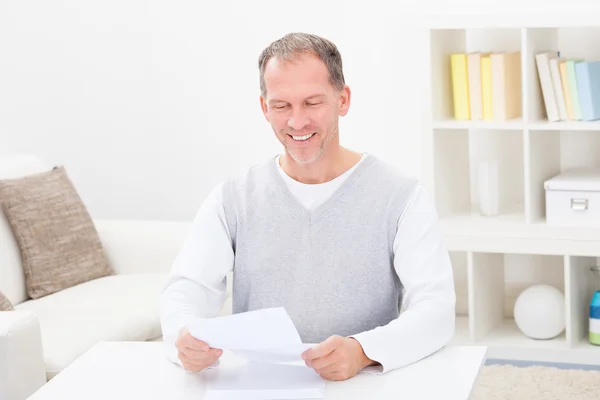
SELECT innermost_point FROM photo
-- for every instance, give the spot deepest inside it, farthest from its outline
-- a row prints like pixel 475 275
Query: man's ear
pixel 345 96
pixel 263 106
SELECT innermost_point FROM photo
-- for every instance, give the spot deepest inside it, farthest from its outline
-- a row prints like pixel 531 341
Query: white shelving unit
pixel 495 258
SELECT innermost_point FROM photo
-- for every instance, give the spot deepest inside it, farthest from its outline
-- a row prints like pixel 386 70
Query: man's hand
pixel 195 355
pixel 337 358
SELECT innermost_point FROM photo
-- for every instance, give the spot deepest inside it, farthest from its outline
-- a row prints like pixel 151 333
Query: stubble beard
pixel 320 150
pixel 300 160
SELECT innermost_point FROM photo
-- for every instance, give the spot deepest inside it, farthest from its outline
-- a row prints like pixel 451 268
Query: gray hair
pixel 289 47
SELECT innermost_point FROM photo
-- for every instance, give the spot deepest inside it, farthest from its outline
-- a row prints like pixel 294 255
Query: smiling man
pixel 339 238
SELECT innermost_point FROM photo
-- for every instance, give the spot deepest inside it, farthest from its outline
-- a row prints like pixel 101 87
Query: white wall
pixel 149 104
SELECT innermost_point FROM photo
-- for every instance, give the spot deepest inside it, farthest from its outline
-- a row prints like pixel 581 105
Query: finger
pixel 191 361
pixel 208 358
pixel 186 339
pixel 322 349
pixel 191 365
pixel 328 369
pixel 197 354
pixel 192 343
pixel 338 357
pixel 322 362
pixel 214 354
pixel 335 376
pixel 202 355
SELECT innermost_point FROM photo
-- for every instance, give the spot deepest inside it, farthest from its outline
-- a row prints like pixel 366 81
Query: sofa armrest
pixel 142 246
pixel 22 365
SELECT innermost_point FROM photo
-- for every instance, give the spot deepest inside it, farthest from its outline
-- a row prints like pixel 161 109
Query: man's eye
pixel 279 107
pixel 313 104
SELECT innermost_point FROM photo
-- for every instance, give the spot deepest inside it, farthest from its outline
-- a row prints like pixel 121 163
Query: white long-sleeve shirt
pixel 196 287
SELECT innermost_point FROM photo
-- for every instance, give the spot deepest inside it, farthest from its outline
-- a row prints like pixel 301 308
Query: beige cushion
pixel 4 303
pixel 12 277
pixel 59 245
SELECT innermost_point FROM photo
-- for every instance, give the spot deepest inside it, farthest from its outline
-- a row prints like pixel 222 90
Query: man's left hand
pixel 337 358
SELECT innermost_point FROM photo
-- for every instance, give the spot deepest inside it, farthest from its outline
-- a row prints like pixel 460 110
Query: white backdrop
pixel 149 104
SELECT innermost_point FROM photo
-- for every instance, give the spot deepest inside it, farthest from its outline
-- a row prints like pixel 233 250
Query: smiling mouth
pixel 302 138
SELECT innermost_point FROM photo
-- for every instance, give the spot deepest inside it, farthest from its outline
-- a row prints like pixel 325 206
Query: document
pixel 260 381
pixel 272 349
pixel 287 354
pixel 267 335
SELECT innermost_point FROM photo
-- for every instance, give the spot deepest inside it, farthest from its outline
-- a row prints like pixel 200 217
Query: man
pixel 338 238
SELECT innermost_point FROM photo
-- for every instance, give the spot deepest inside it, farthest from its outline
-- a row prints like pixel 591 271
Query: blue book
pixel 588 86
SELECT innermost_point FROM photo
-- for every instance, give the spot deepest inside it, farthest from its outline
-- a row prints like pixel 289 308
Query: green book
pixel 573 88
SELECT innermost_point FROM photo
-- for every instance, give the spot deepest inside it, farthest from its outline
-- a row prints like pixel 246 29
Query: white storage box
pixel 573 198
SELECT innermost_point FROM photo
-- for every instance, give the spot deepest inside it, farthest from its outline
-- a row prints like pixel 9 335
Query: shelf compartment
pixel 443 43
pixel 495 282
pixel 548 153
pixel 572 43
pixel 457 155
pixel 580 284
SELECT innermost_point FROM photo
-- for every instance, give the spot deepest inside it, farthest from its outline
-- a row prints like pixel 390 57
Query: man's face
pixel 303 107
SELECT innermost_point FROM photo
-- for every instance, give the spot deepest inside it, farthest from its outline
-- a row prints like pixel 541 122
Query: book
pixel 545 78
pixel 506 85
pixel 486 87
pixel 475 89
pixel 460 86
pixel 588 86
pixel 558 88
pixel 564 78
pixel 573 87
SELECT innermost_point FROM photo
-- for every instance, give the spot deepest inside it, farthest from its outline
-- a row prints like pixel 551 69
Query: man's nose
pixel 298 120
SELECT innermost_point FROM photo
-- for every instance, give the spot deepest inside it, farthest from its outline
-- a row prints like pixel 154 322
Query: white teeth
pixel 302 137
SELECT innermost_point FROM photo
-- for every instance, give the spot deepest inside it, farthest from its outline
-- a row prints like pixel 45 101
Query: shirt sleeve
pixel 423 265
pixel 197 284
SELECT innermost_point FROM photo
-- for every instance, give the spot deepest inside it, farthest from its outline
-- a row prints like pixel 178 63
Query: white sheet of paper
pixel 287 354
pixel 265 338
pixel 254 381
pixel 265 329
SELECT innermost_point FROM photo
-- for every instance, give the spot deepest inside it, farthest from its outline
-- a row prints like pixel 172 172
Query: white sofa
pixel 43 336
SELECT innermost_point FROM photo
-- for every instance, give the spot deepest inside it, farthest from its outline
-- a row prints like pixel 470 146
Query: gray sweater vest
pixel 331 267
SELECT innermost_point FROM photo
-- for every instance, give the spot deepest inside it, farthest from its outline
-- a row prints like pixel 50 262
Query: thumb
pixel 324 348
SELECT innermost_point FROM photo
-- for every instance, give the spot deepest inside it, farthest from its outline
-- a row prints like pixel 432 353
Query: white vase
pixel 489 190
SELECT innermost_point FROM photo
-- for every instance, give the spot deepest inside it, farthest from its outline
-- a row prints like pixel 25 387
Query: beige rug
pixel 536 383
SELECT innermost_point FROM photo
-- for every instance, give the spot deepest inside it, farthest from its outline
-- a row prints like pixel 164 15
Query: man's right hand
pixel 195 355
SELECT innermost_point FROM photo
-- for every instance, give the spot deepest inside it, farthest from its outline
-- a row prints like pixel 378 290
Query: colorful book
pixel 564 78
pixel 475 95
pixel 573 87
pixel 506 85
pixel 486 87
pixel 460 86
pixel 558 89
pixel 588 86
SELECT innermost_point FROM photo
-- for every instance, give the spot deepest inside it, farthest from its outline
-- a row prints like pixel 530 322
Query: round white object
pixel 540 312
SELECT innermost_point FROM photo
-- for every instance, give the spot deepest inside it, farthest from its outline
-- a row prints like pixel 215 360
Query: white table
pixel 140 370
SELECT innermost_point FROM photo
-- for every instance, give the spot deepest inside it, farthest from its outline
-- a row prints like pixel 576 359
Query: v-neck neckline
pixel 314 215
